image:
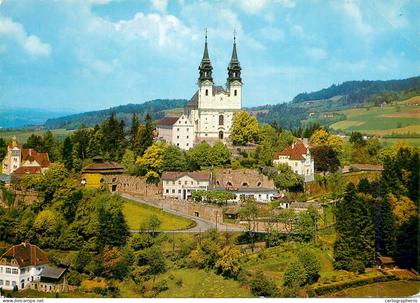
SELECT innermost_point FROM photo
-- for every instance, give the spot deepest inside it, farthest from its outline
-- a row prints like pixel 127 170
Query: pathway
pixel 202 224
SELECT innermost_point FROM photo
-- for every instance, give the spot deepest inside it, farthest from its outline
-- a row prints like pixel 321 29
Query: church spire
pixel 205 67
pixel 234 68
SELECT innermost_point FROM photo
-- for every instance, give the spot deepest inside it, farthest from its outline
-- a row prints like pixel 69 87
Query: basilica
pixel 208 115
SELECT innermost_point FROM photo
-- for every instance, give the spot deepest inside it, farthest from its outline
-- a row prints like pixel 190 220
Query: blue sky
pixel 93 54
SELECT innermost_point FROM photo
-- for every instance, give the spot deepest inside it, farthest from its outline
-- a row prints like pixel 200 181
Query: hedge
pixel 319 291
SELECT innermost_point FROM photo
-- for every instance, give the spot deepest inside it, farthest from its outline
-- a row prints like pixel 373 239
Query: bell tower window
pixel 235 92
pixel 221 120
pixel 207 92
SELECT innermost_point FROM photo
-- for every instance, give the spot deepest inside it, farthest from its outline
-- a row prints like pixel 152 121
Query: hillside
pixel 157 108
pixel 358 91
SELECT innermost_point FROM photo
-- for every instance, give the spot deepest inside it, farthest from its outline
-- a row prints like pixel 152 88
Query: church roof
pixel 26 254
pixel 295 152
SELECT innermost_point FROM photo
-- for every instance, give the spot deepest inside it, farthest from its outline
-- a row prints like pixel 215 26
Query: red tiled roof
pixel 174 175
pixel 26 254
pixel 168 120
pixel 30 154
pixel 295 152
pixel 23 170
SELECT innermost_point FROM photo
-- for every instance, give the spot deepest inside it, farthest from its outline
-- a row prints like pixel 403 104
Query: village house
pixel 180 185
pixel 22 161
pixel 20 265
pixel 95 175
pixel 51 279
pixel 259 194
pixel 298 157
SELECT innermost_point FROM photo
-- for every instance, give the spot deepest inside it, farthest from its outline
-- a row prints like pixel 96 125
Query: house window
pixel 186 182
pixel 179 182
pixel 1 282
pixel 8 270
pixel 167 191
pixel 235 92
pixel 188 137
pixel 7 283
pixel 188 129
pixel 185 122
pixel 221 118
pixel 192 182
pixel 177 129
pixel 207 92
pixel 15 271
pixel 177 144
pixel 173 191
pixel 13 283
pixel 177 137
pixel 179 191
pixel 173 182
pixel 188 144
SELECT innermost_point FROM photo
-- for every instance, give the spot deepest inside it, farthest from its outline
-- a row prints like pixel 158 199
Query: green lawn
pixel 137 214
pixel 23 134
pixel 198 283
pixel 381 289
pixel 394 118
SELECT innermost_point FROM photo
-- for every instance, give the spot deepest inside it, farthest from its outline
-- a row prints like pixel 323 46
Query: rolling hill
pixel 157 108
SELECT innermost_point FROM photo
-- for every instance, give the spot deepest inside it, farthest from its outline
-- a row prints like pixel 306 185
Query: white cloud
pixel 30 43
pixel 286 3
pixel 272 33
pixel 352 9
pixel 316 53
pixel 253 6
pixel 160 5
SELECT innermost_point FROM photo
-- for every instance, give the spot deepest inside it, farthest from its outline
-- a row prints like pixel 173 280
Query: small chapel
pixel 208 114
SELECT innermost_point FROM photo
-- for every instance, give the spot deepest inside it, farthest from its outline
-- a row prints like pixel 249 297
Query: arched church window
pixel 221 120
pixel 207 92
pixel 235 92
pixel 221 135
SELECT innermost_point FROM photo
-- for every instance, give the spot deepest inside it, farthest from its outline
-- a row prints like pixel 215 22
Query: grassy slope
pixel 396 118
pixel 23 134
pixel 137 214
pixel 381 289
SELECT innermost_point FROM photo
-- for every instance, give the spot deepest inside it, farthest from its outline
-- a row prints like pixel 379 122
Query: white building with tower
pixel 208 115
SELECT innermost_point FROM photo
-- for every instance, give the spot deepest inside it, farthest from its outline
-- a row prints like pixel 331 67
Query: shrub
pixel 262 286
pixel 295 274
pixel 74 278
pixel 311 265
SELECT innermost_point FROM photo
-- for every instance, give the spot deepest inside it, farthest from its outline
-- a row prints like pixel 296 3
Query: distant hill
pixel 157 108
pixel 25 117
pixel 357 91
pixel 335 98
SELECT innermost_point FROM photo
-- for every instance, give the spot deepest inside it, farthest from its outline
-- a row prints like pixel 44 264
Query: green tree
pixel 295 274
pixel 325 158
pixel 152 161
pixel 356 139
pixel 244 129
pixel 219 154
pixel 129 161
pixel 153 223
pixel 3 149
pixel 355 245
pixel 261 286
pixel 115 265
pixel 285 178
pixel 311 265
pixel 174 159
pixel 67 153
pixel 199 156
pixel 285 139
pixel 228 263
pixel 146 134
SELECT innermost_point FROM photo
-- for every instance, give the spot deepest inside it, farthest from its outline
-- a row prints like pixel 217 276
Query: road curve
pixel 201 224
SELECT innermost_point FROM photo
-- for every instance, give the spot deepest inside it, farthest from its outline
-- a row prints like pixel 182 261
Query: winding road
pixel 202 224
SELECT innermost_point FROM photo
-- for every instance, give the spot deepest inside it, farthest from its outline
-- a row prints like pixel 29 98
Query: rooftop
pixel 294 152
pixel 173 175
pixel 26 254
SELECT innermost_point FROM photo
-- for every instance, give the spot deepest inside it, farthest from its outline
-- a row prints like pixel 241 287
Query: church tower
pixel 234 81
pixel 205 80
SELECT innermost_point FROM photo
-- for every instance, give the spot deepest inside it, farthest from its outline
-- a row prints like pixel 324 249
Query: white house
pixel 208 115
pixel 298 157
pixel 20 265
pixel 180 185
pixel 259 194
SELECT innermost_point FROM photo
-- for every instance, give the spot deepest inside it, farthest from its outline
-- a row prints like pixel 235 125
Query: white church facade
pixel 208 115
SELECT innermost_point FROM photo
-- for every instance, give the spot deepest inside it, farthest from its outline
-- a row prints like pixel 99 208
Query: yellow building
pixel 99 174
